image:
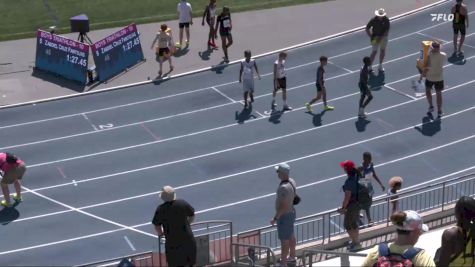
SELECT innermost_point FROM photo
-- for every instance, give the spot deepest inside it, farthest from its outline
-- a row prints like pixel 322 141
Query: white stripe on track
pixel 269 166
pixel 218 85
pixel 195 111
pixel 230 149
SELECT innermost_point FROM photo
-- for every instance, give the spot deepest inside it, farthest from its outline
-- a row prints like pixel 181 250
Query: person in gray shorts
pixel 246 76
pixel 285 213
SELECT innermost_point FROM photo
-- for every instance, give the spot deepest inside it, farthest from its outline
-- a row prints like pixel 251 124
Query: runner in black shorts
pixel 364 87
pixel 460 23
pixel 224 24
pixel 320 84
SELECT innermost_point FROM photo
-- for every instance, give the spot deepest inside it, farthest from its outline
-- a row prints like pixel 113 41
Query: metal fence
pixel 213 240
pixel 321 227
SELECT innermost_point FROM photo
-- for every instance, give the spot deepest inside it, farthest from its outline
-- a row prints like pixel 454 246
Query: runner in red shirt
pixel 12 169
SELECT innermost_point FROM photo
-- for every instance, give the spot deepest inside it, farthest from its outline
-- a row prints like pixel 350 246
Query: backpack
pixel 364 193
pixel 386 259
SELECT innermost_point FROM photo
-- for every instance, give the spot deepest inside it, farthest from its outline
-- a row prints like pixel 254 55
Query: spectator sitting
pixel 173 219
pixel 395 185
pixel 458 242
pixel 409 227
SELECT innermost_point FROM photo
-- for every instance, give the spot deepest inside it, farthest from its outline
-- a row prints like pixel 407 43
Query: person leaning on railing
pixel 409 227
pixel 458 243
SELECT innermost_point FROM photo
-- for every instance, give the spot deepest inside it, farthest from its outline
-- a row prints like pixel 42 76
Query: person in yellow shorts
pixel 409 227
pixel 13 170
pixel 378 30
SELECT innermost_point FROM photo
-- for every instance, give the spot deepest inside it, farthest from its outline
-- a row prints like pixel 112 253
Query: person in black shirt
pixel 364 87
pixel 320 84
pixel 377 30
pixel 224 24
pixel 172 219
pixel 460 23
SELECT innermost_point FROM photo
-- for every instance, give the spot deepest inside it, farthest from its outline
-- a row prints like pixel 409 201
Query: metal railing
pixel 320 228
pixel 213 241
pixel 344 256
pixel 253 254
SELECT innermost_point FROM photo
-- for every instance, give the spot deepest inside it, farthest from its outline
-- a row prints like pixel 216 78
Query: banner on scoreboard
pixel 62 56
pixel 117 52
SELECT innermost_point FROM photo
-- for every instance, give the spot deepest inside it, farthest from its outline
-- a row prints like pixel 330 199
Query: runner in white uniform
pixel 280 80
pixel 246 76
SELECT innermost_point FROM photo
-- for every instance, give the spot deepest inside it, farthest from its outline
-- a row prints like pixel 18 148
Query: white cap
pixel 283 167
pixel 380 12
pixel 413 222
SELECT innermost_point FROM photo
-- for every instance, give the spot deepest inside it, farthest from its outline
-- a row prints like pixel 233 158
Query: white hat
pixel 168 194
pixel 380 12
pixel 283 167
pixel 413 222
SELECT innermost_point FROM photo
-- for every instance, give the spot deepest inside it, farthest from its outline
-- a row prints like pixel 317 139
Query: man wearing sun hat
pixel 285 213
pixel 377 30
pixel 350 207
pixel 172 219
pixel 409 227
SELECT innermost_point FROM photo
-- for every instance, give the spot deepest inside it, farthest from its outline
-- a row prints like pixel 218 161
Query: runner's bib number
pixel 227 23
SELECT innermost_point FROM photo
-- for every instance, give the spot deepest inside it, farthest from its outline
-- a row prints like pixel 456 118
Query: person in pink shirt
pixel 12 171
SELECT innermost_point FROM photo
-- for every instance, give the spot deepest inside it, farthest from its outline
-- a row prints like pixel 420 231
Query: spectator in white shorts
pixel 378 30
pixel 246 76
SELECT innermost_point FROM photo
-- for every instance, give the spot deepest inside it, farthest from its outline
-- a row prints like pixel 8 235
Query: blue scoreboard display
pixel 117 52
pixel 63 56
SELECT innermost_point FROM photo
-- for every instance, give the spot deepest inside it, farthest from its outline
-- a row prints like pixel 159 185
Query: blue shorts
pixel 285 225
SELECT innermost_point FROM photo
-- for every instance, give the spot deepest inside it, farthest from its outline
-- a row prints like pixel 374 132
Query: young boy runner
pixel 321 90
pixel 280 80
pixel 368 172
pixel 163 53
pixel 246 76
pixel 364 87
pixel 210 15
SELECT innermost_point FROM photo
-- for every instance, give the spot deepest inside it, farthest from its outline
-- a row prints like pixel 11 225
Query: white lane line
pixel 191 112
pixel 265 167
pixel 409 156
pixel 309 184
pixel 175 137
pixel 338 66
pixel 434 38
pixel 218 85
pixel 337 226
pixel 87 213
pixel 89 121
pixel 130 243
pixel 227 176
pixel 223 94
pixel 399 92
pixel 222 127
pixel 258 113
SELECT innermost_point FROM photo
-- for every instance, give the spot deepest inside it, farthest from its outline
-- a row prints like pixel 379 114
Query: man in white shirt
pixel 434 76
pixel 185 19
